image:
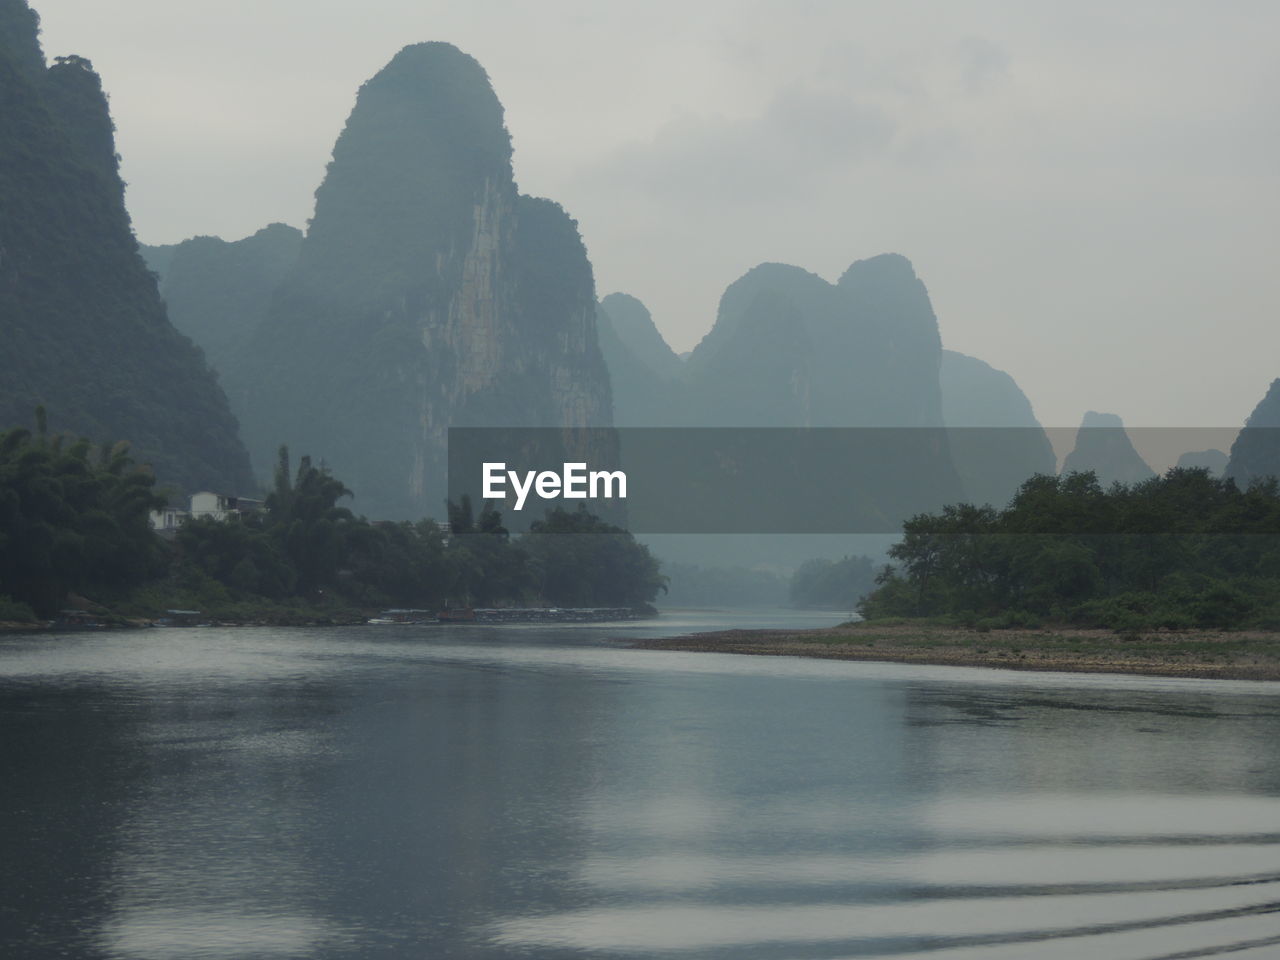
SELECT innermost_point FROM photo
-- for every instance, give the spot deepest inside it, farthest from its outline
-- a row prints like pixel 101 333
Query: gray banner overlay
pixel 799 480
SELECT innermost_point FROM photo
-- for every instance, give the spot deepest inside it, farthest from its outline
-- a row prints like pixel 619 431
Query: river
pixel 547 792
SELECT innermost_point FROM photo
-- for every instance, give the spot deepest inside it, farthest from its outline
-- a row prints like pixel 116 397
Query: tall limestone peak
pixel 755 366
pixel 424 144
pixel 810 294
pixel 873 349
pixel 890 273
pixel 74 93
pixel 896 315
pixel 996 441
pixel 428 294
pixel 889 293
pixel 976 394
pixel 762 374
pixel 631 321
pixel 1103 447
pixel 1255 455
pixel 84 330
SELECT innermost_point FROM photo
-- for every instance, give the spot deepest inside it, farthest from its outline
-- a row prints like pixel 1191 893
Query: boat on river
pixel 404 615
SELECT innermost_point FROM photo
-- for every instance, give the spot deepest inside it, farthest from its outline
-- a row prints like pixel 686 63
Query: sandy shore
pixel 1225 656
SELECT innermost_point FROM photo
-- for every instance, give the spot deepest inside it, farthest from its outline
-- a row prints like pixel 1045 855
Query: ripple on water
pixel 1033 878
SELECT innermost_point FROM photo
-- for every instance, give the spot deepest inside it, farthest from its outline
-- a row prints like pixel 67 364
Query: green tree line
pixel 832 584
pixel 1180 551
pixel 72 519
pixel 75 520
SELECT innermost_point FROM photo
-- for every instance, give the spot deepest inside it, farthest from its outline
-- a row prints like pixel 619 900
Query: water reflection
pixel 211 858
pixel 236 931
pixel 509 792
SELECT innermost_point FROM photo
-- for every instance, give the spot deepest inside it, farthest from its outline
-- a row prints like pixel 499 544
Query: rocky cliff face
pixel 1255 455
pixel 83 328
pixel 996 440
pixel 428 294
pixel 1103 447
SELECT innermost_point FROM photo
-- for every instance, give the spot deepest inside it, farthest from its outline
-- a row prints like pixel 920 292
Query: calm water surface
pixel 543 791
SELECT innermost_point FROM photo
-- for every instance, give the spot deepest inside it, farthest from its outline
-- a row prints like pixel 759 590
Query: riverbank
pixel 1225 655
pixel 334 617
pixel 143 623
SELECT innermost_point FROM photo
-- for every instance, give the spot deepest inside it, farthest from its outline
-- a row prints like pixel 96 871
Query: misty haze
pixel 566 481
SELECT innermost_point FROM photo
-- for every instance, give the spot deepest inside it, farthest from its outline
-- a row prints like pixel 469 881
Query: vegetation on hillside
pixel 217 293
pixel 83 328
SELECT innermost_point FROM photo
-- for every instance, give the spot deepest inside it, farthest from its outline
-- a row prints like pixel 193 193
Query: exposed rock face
pixel 1255 455
pixel 428 294
pixel 1215 461
pixel 83 328
pixel 998 443
pixel 218 292
pixel 1103 447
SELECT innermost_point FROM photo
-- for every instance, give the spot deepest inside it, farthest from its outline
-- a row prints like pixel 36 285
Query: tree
pixel 582 561
pixel 70 522
pixel 1179 549
pixel 307 523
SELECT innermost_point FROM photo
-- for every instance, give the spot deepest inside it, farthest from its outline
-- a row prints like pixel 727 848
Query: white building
pixel 206 503
pixel 168 519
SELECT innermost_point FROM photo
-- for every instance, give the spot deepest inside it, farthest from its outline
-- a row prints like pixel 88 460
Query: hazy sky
pixel 1088 189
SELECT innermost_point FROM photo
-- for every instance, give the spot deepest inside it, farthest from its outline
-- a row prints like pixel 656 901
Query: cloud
pixel 794 144
pixel 983 64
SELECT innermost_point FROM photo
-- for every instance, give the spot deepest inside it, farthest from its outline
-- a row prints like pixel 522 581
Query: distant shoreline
pixel 1218 655
pixel 483 617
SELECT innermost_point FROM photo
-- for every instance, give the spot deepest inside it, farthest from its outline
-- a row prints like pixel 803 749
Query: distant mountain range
pixel 428 292
pixel 790 349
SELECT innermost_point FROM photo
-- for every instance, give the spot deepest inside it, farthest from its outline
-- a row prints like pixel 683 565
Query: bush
pixel 1222 606
pixel 13 611
pixel 1179 551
